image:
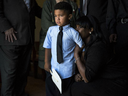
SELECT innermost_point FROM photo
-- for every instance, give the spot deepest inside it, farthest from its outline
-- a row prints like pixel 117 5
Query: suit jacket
pixel 117 9
pixel 14 13
pixel 96 8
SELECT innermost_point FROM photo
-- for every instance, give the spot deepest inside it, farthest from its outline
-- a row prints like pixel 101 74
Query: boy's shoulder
pixel 55 27
pixel 52 28
pixel 72 29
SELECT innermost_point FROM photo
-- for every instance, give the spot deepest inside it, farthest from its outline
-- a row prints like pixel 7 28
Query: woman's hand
pixel 78 77
pixel 78 51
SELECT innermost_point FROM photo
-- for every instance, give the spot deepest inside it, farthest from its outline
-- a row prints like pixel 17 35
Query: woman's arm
pixel 81 68
pixel 97 56
pixel 47 65
pixel 79 62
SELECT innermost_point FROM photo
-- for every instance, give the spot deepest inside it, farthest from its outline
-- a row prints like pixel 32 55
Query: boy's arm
pixel 47 65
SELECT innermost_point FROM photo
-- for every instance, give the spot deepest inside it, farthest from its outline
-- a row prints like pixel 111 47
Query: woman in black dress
pixel 99 74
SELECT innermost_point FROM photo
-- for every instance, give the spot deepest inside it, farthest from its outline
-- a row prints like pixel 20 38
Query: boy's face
pixel 62 17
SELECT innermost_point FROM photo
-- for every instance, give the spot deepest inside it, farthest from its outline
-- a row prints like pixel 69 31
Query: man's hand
pixel 78 77
pixel 47 67
pixel 10 35
pixel 113 38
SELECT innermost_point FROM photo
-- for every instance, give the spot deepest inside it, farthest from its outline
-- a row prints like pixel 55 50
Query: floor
pixel 35 86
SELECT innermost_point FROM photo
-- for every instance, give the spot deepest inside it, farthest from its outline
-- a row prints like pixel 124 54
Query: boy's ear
pixel 70 16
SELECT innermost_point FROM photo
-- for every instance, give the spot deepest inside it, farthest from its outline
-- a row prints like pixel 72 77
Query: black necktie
pixel 59 46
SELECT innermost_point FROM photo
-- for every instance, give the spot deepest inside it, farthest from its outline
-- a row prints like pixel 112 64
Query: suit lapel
pixel 24 4
pixel 32 3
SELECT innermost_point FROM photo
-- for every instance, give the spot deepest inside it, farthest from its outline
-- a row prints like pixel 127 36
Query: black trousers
pixel 100 87
pixel 52 90
pixel 14 63
pixel 121 46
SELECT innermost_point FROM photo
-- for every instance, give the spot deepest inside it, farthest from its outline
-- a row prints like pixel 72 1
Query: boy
pixel 47 20
pixel 70 37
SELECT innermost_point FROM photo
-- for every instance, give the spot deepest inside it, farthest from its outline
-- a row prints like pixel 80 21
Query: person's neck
pixel 86 40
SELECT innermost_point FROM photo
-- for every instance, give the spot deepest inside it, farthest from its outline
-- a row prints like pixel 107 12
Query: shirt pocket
pixel 68 44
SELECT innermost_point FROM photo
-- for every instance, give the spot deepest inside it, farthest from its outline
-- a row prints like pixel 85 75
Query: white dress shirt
pixel 27 2
pixel 85 7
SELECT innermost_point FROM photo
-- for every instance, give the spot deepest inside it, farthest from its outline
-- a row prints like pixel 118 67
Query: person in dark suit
pixel 98 9
pixel 17 24
pixel 98 73
pixel 117 23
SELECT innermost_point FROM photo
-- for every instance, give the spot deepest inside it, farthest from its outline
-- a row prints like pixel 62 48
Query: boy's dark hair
pixel 64 6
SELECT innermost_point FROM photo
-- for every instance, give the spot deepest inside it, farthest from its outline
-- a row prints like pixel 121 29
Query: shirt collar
pixel 65 27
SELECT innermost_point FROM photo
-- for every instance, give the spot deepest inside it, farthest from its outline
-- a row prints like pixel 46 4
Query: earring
pixel 90 32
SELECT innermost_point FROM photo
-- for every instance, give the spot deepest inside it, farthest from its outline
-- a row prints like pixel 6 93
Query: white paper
pixel 57 80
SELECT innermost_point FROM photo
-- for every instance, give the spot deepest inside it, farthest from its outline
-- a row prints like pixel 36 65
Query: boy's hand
pixel 47 67
pixel 10 35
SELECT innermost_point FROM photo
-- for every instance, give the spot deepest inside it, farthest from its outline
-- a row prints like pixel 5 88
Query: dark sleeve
pixel 46 17
pixel 81 9
pixel 75 14
pixel 96 59
pixel 4 23
pixel 111 15
pixel 76 11
pixel 38 10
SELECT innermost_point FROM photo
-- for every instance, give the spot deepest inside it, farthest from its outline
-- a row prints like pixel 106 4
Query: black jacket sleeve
pixel 111 19
pixel 38 10
pixel 4 23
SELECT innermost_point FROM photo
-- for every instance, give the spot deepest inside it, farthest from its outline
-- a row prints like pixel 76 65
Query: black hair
pixel 90 22
pixel 64 6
